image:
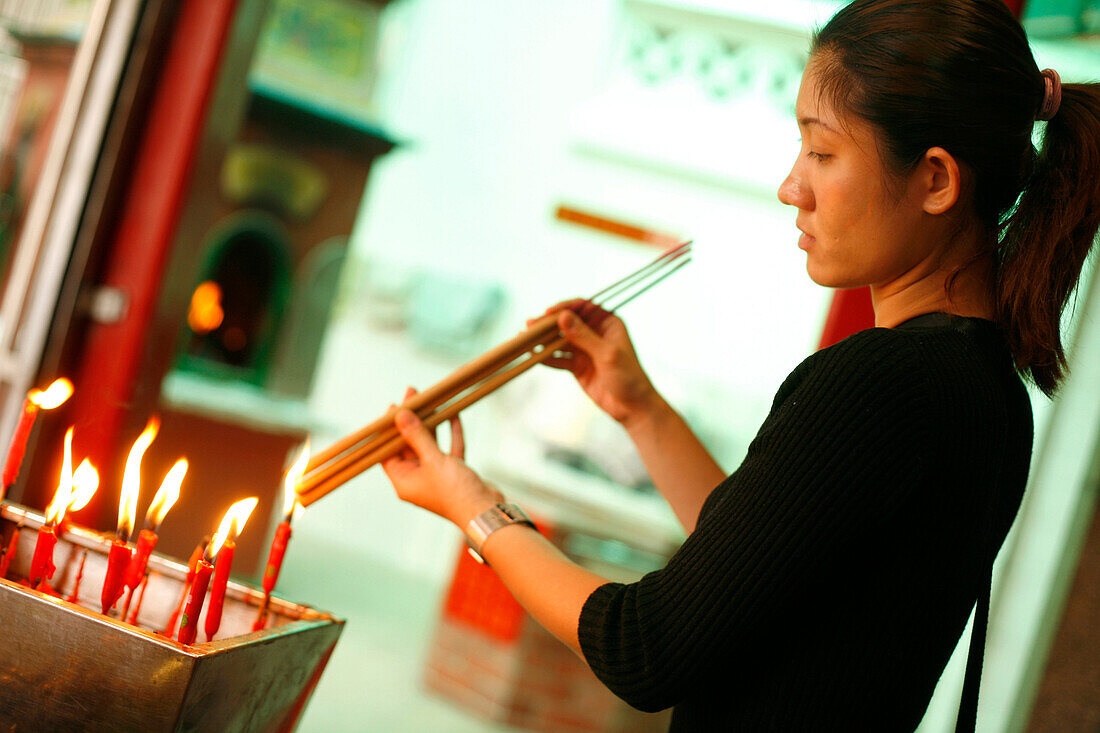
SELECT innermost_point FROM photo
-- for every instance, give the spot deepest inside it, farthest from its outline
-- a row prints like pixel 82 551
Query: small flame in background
pixel 85 483
pixel 205 313
pixel 232 524
pixel 53 396
pixel 131 479
pixel 167 494
pixel 291 507
pixel 55 512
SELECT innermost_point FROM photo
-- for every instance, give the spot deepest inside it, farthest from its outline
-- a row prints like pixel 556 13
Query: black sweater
pixel 829 578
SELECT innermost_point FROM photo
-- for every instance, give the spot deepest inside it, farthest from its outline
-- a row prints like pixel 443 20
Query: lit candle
pixel 232 525
pixel 195 598
pixel 37 399
pixel 164 500
pixel 222 565
pixel 118 559
pixel 85 484
pixel 291 507
pixel 42 567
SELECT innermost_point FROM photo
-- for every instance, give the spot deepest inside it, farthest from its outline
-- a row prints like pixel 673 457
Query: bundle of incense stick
pixel 355 453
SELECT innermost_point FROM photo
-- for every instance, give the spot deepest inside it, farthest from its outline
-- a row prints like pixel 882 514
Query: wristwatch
pixel 489 521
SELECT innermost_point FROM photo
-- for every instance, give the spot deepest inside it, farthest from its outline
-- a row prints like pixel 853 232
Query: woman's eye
pixel 816 156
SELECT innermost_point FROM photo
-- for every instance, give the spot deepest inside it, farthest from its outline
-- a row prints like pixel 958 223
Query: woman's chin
pixel 829 277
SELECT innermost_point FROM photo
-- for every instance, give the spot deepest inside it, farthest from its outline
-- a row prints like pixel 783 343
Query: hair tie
pixel 1052 97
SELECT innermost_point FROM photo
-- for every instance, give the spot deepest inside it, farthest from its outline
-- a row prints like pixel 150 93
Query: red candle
pixel 190 623
pixel 118 561
pixel 282 534
pixel 275 556
pixel 165 498
pixel 18 445
pixel 147 540
pixel 42 567
pixel 271 572
pixel 224 542
pixel 192 568
pixel 222 565
pixel 120 557
pixel 37 399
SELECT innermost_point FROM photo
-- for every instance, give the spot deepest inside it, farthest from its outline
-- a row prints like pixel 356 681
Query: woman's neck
pixel 962 288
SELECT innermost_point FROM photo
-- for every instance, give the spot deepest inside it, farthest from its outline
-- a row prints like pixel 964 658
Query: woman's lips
pixel 805 241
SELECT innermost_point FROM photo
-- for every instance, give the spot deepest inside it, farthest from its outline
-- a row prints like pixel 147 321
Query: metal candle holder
pixel 64 666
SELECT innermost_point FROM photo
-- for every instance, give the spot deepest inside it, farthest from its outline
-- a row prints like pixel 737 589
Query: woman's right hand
pixel 602 358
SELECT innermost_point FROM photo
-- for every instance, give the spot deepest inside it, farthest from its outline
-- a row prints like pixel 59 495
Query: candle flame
pixel 232 524
pixel 205 313
pixel 131 479
pixel 290 496
pixel 55 512
pixel 53 396
pixel 167 494
pixel 85 483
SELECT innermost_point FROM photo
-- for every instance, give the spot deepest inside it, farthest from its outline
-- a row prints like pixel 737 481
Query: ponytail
pixel 1045 240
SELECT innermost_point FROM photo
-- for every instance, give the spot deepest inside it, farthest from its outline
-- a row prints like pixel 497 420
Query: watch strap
pixel 495 517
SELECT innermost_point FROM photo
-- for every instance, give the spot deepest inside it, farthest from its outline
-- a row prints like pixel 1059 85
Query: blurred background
pixel 262 219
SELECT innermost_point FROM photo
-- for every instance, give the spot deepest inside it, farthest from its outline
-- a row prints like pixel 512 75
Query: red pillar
pixel 1016 6
pixel 850 312
pixel 139 251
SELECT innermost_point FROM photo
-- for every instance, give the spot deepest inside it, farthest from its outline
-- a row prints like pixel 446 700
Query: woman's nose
pixel 794 192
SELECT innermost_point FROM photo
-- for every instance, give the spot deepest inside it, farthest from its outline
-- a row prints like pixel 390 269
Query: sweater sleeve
pixel 837 452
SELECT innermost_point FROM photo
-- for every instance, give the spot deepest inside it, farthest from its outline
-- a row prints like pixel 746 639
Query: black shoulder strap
pixel 968 705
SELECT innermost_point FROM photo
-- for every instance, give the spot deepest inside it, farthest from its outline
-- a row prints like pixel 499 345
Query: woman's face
pixel 855 230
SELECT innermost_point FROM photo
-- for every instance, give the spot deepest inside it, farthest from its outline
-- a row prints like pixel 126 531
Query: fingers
pixel 406 453
pixel 581 335
pixel 458 440
pixel 416 435
pixel 409 392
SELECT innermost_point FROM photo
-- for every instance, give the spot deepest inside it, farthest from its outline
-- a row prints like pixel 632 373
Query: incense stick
pixel 393 444
pixel 377 441
pixel 443 389
pixel 383 429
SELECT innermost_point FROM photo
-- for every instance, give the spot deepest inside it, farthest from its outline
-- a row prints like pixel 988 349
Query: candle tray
pixel 65 666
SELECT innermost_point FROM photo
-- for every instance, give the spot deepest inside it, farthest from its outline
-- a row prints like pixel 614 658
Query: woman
pixel 825 583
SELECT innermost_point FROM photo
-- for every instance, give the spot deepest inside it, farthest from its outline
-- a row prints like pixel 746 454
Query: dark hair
pixel 959 74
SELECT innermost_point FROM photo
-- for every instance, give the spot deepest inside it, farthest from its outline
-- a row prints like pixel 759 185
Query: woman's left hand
pixel 425 476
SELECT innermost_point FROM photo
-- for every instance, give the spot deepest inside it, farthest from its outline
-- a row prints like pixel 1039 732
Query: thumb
pixel 579 333
pixel 416 435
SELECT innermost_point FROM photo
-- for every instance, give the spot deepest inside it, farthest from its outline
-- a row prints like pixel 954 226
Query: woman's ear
pixel 940 181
